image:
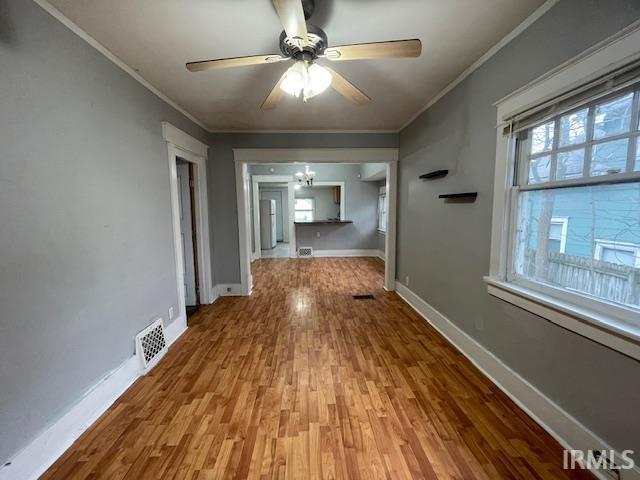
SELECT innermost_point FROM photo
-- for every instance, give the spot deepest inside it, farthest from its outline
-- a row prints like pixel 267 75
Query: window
pixel 304 209
pixel 624 254
pixel 581 165
pixel 382 210
pixel 557 241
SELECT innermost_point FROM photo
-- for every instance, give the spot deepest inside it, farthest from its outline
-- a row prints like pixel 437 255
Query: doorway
pixel 243 158
pixel 188 234
pixel 189 195
pixel 272 211
pixel 274 216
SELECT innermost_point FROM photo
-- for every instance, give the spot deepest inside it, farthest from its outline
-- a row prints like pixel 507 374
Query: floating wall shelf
pixel 466 195
pixel 434 174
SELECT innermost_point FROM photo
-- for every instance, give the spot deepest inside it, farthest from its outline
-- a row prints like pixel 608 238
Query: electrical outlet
pixel 406 281
pixel 228 289
pixel 170 313
pixel 318 234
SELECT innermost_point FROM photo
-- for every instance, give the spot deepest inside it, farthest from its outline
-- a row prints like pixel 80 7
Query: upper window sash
pixel 546 160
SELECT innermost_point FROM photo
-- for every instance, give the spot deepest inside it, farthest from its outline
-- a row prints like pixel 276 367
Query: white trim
pixel 608 55
pixel 315 155
pixel 343 203
pixel 229 290
pixel 50 444
pixel 544 8
pixel 58 15
pixel 567 430
pixel 256 180
pixel 613 245
pixel 564 222
pixel 183 140
pixel 604 57
pixel 244 156
pixel 244 226
pixel 346 253
pixel 380 254
pixel 184 151
pixel 320 131
pixel 136 76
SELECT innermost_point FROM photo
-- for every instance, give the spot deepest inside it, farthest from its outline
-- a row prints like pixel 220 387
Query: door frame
pixel 256 180
pixel 182 145
pixel 243 157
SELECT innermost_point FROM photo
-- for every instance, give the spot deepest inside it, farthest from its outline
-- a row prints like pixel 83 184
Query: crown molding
pixel 58 15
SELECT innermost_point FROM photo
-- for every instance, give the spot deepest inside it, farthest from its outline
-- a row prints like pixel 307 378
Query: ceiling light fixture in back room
pixel 305 44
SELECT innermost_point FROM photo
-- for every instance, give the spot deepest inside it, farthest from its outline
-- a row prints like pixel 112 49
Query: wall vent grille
pixel 151 345
pixel 305 252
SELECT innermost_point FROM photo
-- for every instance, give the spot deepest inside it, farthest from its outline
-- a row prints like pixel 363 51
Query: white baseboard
pixel 214 294
pixel 381 255
pixel 229 290
pixel 345 253
pixel 45 449
pixel 568 431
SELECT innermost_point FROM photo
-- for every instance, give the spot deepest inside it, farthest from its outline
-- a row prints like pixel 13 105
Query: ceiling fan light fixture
pixel 306 80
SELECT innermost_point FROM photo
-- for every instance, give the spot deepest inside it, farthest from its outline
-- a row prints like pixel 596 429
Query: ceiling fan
pixel 305 43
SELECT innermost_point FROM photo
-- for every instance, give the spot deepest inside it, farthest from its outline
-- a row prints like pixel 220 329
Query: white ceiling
pixel 157 37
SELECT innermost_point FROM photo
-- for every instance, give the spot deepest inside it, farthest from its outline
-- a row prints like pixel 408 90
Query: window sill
pixel 607 331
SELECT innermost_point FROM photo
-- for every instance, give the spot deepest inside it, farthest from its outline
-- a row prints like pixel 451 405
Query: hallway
pixel 302 381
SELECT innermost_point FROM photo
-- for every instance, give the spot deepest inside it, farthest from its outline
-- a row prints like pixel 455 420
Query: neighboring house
pixel 601 223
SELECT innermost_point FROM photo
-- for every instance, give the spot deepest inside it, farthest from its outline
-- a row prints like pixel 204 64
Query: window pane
pixel 637 167
pixel 570 164
pixel 609 157
pixel 542 138
pixel 304 204
pixel 603 213
pixel 573 128
pixel 555 231
pixel 620 257
pixel 614 117
pixel 539 169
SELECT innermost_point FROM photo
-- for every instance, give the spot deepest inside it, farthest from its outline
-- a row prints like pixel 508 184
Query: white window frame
pixel 609 324
pixel 382 197
pixel 621 246
pixel 564 221
pixel 313 208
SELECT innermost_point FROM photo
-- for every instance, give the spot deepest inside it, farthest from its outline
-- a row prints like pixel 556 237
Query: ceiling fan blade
pixel 347 89
pixel 361 51
pixel 233 62
pixel 275 95
pixel 292 18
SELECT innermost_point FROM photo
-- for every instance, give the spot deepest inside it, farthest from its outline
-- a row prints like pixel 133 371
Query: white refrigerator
pixel 268 238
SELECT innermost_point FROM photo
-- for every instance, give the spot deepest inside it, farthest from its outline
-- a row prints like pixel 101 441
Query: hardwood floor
pixel 301 381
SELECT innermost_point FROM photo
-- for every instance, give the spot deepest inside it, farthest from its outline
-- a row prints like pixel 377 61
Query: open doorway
pixel 272 216
pixel 189 215
pixel 332 210
pixel 274 220
pixel 188 234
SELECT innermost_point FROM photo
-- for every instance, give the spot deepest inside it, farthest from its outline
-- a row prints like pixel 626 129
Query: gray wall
pixel 222 187
pixel 86 244
pixel 444 248
pixel 361 200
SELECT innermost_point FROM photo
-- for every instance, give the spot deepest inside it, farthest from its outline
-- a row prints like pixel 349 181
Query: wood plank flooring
pixel 301 381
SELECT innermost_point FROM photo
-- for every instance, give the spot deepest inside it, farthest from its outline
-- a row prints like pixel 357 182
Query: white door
pixel 184 199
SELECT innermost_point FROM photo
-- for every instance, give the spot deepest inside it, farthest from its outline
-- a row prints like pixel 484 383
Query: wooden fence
pixel 610 281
